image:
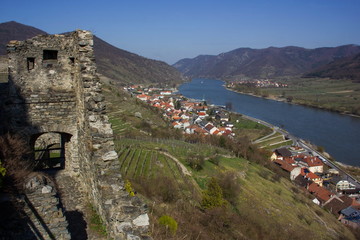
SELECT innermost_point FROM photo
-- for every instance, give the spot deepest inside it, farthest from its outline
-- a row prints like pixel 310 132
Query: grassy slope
pixel 267 207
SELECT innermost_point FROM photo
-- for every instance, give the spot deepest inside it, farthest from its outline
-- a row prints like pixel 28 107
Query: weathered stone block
pixel 112 155
pixel 123 227
pixel 142 220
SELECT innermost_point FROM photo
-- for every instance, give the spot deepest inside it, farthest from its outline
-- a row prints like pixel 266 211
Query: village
pixel 258 83
pixel 327 186
pixel 189 115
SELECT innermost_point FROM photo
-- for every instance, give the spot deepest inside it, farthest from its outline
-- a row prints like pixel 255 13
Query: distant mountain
pixel 119 65
pixel 262 63
pixel 16 31
pixel 348 67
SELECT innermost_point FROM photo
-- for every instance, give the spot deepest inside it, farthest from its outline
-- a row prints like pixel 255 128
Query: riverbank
pixel 306 123
pixel 274 98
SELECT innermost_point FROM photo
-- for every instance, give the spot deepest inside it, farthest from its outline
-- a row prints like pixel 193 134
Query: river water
pixel 338 134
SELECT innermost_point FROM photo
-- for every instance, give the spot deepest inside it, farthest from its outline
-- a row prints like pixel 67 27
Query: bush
pixel 230 186
pixel 169 223
pixel 162 188
pixel 13 154
pixel 213 195
pixel 215 160
pixel 195 161
pixel 129 188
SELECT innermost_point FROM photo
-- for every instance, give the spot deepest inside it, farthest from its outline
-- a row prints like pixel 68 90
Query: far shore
pixel 284 100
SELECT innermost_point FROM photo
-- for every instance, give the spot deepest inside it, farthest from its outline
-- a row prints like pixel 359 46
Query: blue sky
pixel 173 29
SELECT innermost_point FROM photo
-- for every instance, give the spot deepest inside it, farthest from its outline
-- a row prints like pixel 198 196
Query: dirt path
pixel 182 167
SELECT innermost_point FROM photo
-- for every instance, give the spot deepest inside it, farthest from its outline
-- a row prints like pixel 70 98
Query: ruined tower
pixel 54 93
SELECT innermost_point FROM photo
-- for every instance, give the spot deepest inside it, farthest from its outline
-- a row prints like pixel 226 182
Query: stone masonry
pixel 54 88
pixel 41 200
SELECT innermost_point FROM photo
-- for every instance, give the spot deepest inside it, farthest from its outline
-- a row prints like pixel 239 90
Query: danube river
pixel 338 134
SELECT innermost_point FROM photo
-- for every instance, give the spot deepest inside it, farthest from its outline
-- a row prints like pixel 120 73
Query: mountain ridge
pixel 263 63
pixel 121 66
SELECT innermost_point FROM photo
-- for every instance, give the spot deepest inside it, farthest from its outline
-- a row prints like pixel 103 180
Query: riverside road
pixel 301 143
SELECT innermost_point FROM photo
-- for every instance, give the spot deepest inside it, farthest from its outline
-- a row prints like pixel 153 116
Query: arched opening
pixel 49 150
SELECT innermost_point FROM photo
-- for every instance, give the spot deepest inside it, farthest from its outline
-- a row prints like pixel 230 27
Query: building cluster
pixel 258 83
pixel 191 116
pixel 328 188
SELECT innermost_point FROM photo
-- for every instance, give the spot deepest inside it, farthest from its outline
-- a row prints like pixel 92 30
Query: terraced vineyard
pixel 136 163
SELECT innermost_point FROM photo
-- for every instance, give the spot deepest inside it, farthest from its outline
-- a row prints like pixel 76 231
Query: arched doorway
pixel 49 150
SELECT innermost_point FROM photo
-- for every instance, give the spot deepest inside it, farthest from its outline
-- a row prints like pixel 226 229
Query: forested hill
pixel 121 66
pixel 342 68
pixel 263 63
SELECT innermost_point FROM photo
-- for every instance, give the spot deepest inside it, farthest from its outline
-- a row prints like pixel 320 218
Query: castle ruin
pixel 53 99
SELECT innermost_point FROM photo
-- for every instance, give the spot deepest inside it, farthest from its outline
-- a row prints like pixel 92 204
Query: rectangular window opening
pixel 50 55
pixel 30 63
pixel 72 60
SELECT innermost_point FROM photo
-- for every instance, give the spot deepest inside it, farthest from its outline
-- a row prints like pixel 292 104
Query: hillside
pixel 16 31
pixel 348 68
pixel 117 64
pixel 259 202
pixel 125 67
pixel 262 63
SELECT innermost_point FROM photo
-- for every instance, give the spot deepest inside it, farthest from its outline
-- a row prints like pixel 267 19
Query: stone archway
pixel 50 150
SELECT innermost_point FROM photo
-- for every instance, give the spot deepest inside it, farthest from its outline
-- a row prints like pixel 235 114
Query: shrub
pixel 13 154
pixel 129 188
pixel 161 188
pixel 169 223
pixel 230 186
pixel 215 160
pixel 166 189
pixel 195 161
pixel 320 149
pixel 213 195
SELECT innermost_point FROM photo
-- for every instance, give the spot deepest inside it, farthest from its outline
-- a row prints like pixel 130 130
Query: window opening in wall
pixel 30 63
pixel 72 60
pixel 50 55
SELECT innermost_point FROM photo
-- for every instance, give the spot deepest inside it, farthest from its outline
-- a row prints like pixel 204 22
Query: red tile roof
pixel 216 132
pixel 313 161
pixel 319 192
pixel 308 174
pixel 284 165
pixel 209 126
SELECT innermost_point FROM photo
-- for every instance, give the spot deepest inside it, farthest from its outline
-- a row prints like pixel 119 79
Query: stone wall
pixel 53 88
